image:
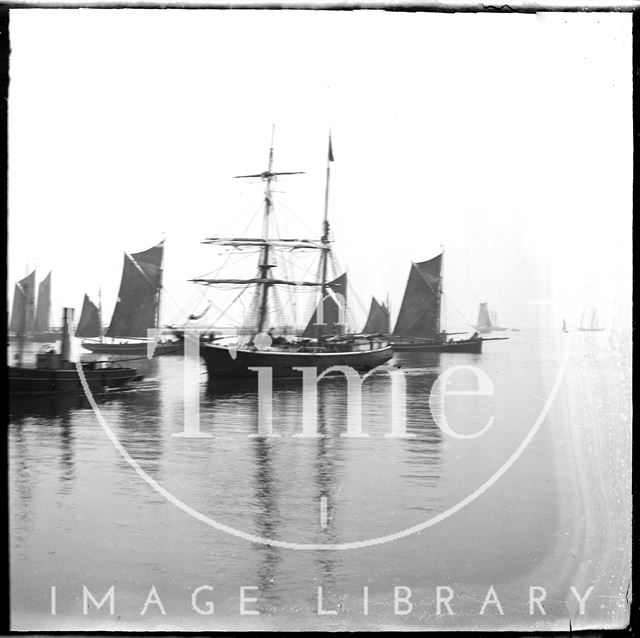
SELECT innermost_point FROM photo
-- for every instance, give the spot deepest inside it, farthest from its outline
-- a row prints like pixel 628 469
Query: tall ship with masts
pixel 419 324
pixel 324 342
pixel 137 309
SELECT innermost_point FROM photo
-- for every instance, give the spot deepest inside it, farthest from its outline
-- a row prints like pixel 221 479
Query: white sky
pixel 506 138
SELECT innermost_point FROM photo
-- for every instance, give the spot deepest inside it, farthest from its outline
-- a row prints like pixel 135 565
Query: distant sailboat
pixel 378 318
pixel 36 326
pixel 89 324
pixel 590 321
pixel 564 325
pixel 487 321
pixel 137 308
pixel 418 327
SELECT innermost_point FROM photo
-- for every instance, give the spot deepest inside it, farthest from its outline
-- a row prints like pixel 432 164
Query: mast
pixel 439 319
pixel 100 313
pixel 264 267
pixel 263 279
pixel 324 240
pixel 159 289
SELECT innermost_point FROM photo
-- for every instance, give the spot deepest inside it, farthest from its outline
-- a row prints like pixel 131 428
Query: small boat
pixel 56 373
pixel 418 327
pixel 37 316
pixel 324 342
pixel 137 309
pixel 487 321
pixel 590 321
pixel 564 326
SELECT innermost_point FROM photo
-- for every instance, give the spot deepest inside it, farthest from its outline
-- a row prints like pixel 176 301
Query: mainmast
pixel 324 239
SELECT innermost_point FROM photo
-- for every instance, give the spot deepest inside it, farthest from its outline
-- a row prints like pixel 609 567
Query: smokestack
pixel 67 332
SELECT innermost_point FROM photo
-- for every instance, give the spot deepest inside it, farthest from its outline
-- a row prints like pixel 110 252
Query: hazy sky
pixel 505 138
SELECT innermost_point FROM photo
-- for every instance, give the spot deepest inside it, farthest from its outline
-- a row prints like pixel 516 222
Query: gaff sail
pixel 24 300
pixel 137 308
pixel 378 319
pixel 419 314
pixel 333 316
pixel 89 322
pixel 484 318
pixel 43 309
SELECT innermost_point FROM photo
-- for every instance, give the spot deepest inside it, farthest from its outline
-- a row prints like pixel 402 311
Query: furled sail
pixel 378 319
pixel 24 301
pixel 89 322
pixel 139 296
pixel 420 310
pixel 43 309
pixel 484 319
pixel 332 314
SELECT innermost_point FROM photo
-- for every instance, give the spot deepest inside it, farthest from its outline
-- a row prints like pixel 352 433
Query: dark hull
pixel 473 346
pixel 46 381
pixel 220 364
pixel 133 349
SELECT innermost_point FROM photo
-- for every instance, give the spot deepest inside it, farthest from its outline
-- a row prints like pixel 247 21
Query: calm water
pixel 558 517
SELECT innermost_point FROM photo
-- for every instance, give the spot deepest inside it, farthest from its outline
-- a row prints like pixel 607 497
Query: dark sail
pixel 24 301
pixel 484 319
pixel 139 296
pixel 330 311
pixel 89 322
pixel 378 319
pixel 43 309
pixel 420 310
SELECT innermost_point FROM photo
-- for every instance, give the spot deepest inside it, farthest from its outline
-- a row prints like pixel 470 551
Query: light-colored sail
pixel 23 308
pixel 43 308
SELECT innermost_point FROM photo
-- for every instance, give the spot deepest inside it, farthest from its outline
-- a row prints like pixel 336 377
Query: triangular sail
pixel 139 296
pixel 420 310
pixel 333 316
pixel 43 309
pixel 89 322
pixel 23 308
pixel 378 319
pixel 484 318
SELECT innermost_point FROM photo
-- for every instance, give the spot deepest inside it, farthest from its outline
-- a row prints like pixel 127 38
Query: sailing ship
pixel 136 310
pixel 590 321
pixel 487 321
pixel 418 327
pixel 37 325
pixel 324 342
pixel 57 373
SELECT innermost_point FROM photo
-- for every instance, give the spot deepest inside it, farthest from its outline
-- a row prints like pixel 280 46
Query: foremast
pixel 264 278
pixel 324 240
